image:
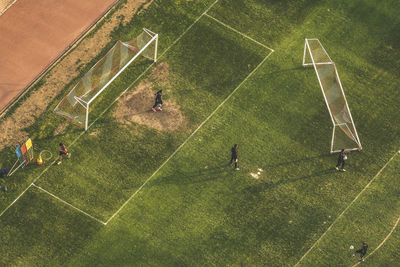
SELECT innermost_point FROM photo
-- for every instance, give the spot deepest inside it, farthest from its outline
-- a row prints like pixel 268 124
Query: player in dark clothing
pixel 341 160
pixel 362 251
pixel 63 151
pixel 3 172
pixel 234 156
pixel 158 102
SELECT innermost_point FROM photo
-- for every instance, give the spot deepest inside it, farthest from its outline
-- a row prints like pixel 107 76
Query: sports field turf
pixel 135 196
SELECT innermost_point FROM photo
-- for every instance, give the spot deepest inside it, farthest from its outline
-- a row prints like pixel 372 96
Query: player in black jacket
pixel 158 102
pixel 341 160
pixel 362 251
pixel 234 156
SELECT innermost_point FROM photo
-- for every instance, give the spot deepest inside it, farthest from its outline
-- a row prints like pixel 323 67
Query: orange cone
pixel 40 161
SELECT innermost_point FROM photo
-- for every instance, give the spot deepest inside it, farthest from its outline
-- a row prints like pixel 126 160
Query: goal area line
pixel 344 211
pixel 122 93
pixel 107 108
pixel 190 136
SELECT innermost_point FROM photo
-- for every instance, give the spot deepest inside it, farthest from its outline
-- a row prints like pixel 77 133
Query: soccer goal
pixel 77 103
pixel 344 133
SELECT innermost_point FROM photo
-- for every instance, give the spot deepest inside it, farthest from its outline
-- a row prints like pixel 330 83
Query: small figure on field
pixel 362 251
pixel 158 102
pixel 342 157
pixel 63 151
pixel 3 172
pixel 234 156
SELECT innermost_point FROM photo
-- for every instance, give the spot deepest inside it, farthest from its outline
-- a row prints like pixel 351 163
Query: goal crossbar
pixel 333 93
pixel 123 68
pixel 103 73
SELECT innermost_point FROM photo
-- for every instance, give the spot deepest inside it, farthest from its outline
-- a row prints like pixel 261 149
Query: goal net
pixel 77 103
pixel 344 133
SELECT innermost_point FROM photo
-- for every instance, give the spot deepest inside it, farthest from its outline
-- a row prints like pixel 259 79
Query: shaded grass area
pixel 39 229
pixel 197 210
pixel 42 132
pixel 116 162
pixel 369 219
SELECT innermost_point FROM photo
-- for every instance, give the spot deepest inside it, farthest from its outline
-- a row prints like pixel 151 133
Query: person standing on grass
pixel 362 251
pixel 3 172
pixel 63 151
pixel 342 157
pixel 158 102
pixel 234 156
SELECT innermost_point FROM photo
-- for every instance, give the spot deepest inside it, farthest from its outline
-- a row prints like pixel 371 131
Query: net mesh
pixel 335 98
pixel 318 52
pixel 73 105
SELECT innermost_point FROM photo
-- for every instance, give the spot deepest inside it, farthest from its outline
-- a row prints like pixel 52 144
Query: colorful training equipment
pixel 24 154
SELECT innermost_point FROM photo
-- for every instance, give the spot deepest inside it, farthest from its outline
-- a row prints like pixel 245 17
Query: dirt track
pixel 35 32
pixel 12 128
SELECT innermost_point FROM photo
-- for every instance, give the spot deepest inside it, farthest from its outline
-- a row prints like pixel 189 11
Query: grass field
pixel 135 196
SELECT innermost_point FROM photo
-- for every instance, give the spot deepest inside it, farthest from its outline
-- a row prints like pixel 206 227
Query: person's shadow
pixel 196 176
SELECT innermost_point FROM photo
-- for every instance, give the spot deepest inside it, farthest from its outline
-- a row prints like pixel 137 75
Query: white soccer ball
pixel 351 247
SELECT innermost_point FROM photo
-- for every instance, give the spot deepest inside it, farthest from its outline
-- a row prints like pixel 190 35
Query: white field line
pixel 383 242
pixel 107 108
pixel 26 189
pixel 193 133
pixel 344 211
pixel 68 204
pixel 242 34
pixel 15 200
pixel 152 64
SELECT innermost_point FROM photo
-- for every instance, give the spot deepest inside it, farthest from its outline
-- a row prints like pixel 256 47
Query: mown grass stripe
pixel 238 32
pixel 68 204
pixel 344 211
pixel 190 136
pixel 112 103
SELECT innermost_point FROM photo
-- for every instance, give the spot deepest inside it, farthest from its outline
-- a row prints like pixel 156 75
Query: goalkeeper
pixel 362 251
pixel 158 102
pixel 342 157
pixel 234 156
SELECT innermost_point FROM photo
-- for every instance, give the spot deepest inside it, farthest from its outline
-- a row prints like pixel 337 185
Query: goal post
pixel 77 103
pixel 344 133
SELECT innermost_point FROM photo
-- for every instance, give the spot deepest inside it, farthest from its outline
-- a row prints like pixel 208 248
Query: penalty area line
pixel 344 211
pixel 15 200
pixel 187 139
pixel 107 108
pixel 26 189
pixel 152 64
pixel 68 204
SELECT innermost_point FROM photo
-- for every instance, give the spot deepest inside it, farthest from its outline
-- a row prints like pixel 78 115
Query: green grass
pixel 196 210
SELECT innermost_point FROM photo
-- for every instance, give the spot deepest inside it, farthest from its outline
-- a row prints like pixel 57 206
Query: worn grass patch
pixel 196 210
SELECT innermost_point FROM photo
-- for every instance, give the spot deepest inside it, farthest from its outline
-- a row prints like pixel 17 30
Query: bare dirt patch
pixel 11 129
pixel 94 133
pixel 135 106
pixel 160 73
pixel 61 128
